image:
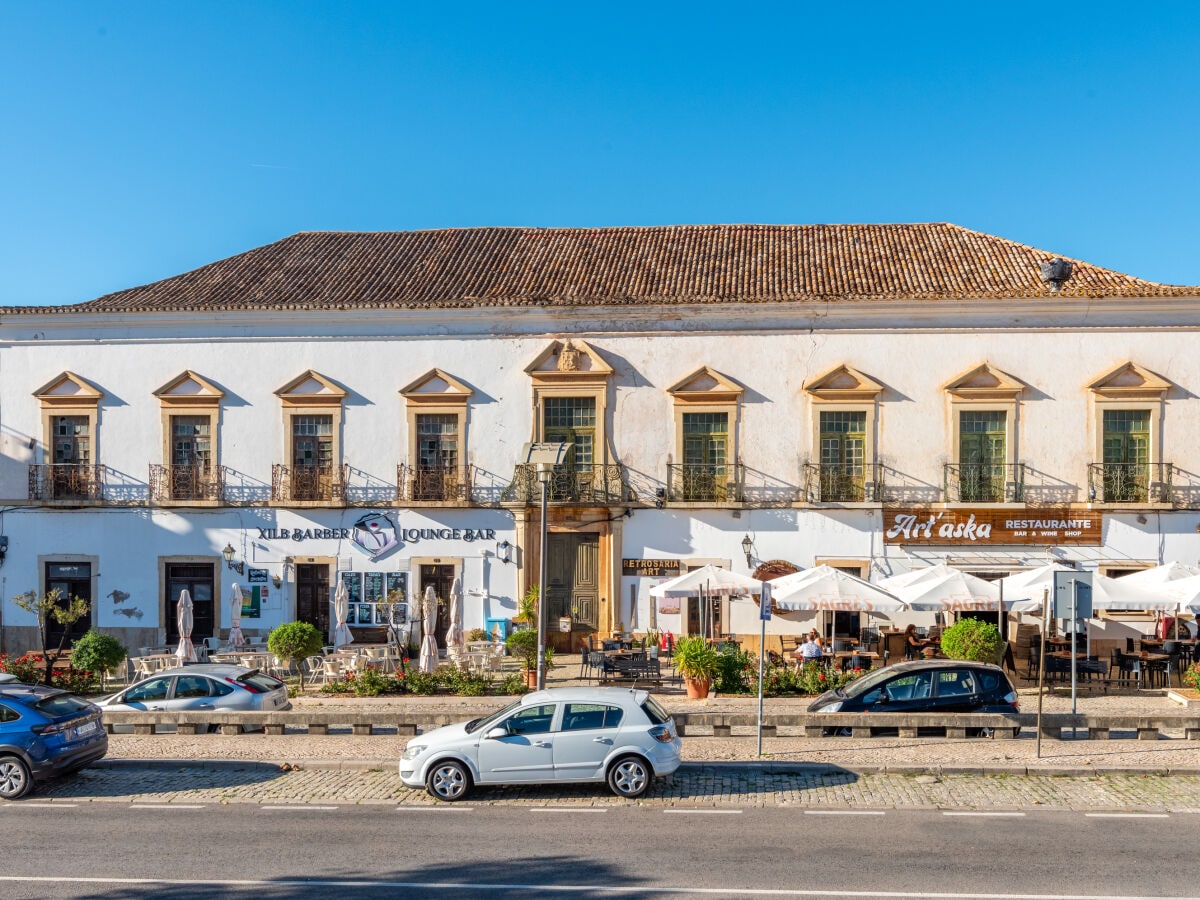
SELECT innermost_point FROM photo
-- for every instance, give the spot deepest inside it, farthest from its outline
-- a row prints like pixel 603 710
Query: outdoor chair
pixel 1130 645
pixel 1035 659
pixel 1176 662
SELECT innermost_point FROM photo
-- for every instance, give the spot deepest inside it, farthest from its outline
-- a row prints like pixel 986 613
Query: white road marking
pixel 38 806
pixel 704 812
pixel 298 808
pixel 561 888
pixel 1127 815
pixel 1011 815
pixel 167 806
pixel 844 812
pixel 434 809
pixel 567 809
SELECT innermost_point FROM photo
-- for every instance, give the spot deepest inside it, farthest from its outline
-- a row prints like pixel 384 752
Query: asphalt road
pixel 120 850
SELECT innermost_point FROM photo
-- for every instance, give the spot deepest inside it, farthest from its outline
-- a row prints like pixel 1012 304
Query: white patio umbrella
pixel 1160 575
pixel 236 638
pixel 454 631
pixel 942 588
pixel 427 662
pixel 341 611
pixel 1185 592
pixel 826 588
pixel 708 581
pixel 1115 593
pixel 183 619
pixel 1023 591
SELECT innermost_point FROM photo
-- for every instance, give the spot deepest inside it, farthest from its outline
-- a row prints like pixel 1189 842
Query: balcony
pixel 1130 482
pixel 602 486
pixel 843 484
pixel 984 483
pixel 184 484
pixel 309 484
pixel 445 484
pixel 698 483
pixel 67 483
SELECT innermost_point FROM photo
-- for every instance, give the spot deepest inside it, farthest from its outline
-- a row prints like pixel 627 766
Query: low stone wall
pixel 699 724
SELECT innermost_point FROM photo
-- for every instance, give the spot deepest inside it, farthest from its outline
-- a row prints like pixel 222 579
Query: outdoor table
pixel 159 661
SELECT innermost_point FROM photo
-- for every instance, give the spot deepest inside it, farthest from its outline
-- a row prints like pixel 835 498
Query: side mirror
pixel 496 733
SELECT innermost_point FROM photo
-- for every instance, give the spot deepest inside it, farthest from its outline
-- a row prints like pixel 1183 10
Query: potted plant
pixel 527 609
pixel 524 645
pixel 653 638
pixel 697 663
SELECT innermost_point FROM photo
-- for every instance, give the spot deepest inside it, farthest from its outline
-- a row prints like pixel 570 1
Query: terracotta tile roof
pixel 482 267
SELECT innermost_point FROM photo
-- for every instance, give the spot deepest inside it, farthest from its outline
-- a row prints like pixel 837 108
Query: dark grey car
pixel 203 688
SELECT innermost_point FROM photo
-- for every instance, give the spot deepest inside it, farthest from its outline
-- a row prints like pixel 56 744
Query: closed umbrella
pixel 427 662
pixel 236 638
pixel 341 611
pixel 183 618
pixel 455 643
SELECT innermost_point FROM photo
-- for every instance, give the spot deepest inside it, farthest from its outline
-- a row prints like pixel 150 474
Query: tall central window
pixel 72 440
pixel 705 450
pixel 191 442
pixel 573 420
pixel 1126 454
pixel 437 441
pixel 312 442
pixel 981 455
pixel 843 445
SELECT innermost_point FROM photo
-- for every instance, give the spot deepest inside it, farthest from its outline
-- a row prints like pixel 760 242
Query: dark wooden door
pixel 198 580
pixel 71 580
pixel 442 579
pixel 573 580
pixel 312 596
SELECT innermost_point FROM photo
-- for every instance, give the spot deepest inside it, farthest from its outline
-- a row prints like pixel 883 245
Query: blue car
pixel 44 732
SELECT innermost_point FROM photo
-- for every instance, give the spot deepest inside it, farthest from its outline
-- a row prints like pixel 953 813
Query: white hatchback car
pixel 566 735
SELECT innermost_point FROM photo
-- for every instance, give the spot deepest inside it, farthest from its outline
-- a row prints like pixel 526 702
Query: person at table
pixel 810 650
pixel 913 645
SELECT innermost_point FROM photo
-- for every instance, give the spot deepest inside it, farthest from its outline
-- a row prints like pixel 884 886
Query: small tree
pixel 974 640
pixel 98 652
pixel 52 606
pixel 295 640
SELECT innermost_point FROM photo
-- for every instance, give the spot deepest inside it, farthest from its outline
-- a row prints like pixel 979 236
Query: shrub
pixel 514 684
pixel 1191 676
pixel 98 652
pixel 694 658
pixel 295 640
pixel 524 645
pixel 737 671
pixel 27 668
pixel 422 683
pixel 974 640
pixel 477 634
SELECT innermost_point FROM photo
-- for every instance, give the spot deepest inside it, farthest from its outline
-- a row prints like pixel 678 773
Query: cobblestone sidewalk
pixel 702 786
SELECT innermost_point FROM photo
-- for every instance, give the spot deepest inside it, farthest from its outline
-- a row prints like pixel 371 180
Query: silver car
pixel 566 735
pixel 202 688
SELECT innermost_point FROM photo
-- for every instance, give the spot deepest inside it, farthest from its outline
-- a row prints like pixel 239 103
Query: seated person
pixel 810 649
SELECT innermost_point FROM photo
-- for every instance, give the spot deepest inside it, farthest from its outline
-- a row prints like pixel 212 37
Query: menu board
pixel 353 583
pixel 373 587
pixel 398 581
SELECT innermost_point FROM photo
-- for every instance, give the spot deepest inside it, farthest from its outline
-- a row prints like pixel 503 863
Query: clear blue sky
pixel 140 140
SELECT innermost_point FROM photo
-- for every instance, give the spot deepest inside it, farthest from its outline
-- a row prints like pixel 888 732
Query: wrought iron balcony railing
pixel 984 482
pixel 320 484
pixel 825 483
pixel 1130 482
pixel 600 486
pixel 173 483
pixel 695 483
pixel 446 483
pixel 65 482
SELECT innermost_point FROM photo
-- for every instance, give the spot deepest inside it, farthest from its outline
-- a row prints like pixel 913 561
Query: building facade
pixel 357 407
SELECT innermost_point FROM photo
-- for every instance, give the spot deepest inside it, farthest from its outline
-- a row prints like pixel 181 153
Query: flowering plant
pixel 1191 676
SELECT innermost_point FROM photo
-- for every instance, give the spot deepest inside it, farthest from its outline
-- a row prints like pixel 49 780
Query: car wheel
pixel 15 780
pixel 1017 731
pixel 630 777
pixel 448 780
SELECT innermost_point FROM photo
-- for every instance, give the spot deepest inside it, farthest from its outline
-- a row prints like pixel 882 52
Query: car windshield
pixel 486 722
pixel 261 681
pixel 654 712
pixel 864 684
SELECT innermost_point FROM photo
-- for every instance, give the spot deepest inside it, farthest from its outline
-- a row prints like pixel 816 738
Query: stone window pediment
pixel 844 384
pixel 436 387
pixel 569 362
pixel 188 388
pixel 68 389
pixel 706 385
pixel 311 388
pixel 1129 381
pixel 985 382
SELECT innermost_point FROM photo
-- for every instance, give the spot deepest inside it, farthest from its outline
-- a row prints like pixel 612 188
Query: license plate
pixel 85 728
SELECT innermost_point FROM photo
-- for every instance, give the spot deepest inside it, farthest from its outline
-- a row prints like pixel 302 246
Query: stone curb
pixel 764 766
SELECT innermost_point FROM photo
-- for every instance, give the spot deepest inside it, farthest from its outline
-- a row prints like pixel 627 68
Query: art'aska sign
pixel 990 527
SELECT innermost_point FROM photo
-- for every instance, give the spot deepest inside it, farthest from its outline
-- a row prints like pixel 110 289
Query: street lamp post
pixel 544 470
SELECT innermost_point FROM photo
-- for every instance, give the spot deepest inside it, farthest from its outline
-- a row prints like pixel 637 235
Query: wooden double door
pixel 573 580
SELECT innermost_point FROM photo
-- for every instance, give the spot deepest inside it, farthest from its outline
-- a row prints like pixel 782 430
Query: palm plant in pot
pixel 696 661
